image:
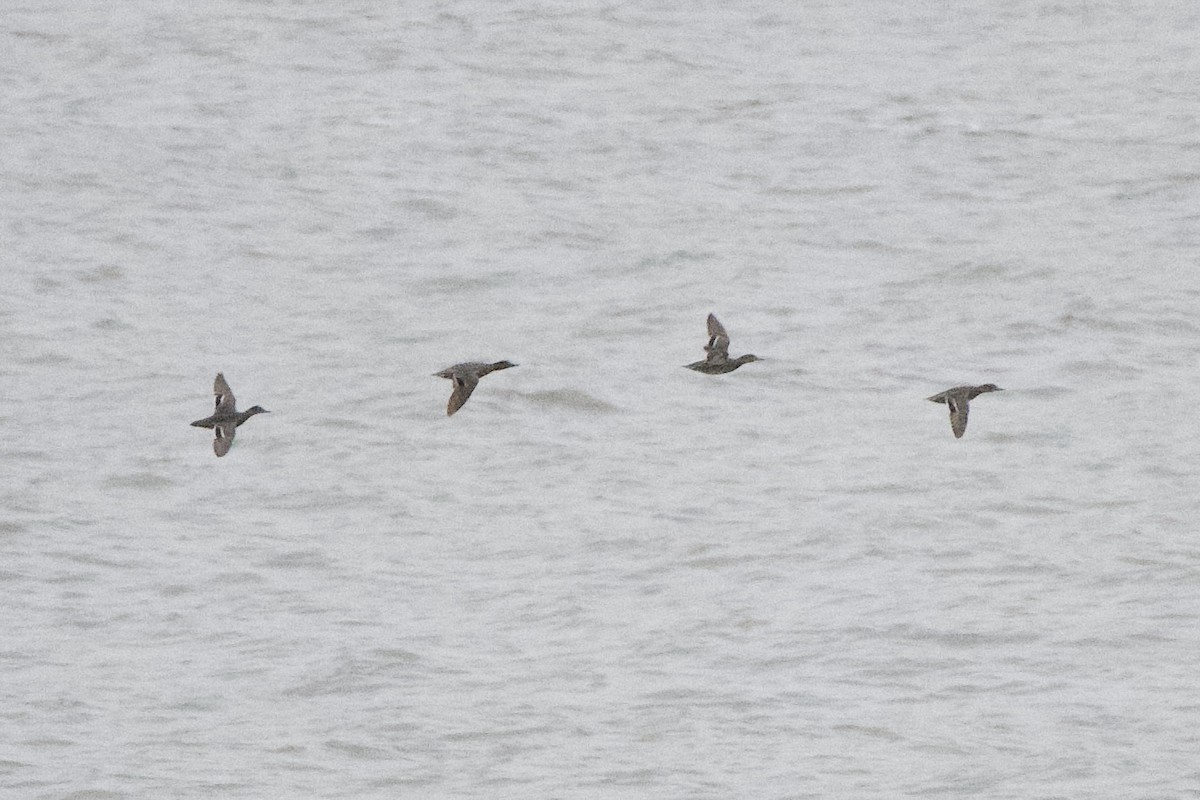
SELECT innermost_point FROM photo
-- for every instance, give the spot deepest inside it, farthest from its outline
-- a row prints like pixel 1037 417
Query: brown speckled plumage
pixel 959 401
pixel 466 377
pixel 718 362
pixel 225 418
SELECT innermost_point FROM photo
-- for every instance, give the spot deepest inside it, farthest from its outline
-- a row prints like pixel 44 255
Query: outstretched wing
pixel 224 397
pixel 464 384
pixel 958 415
pixel 223 437
pixel 718 341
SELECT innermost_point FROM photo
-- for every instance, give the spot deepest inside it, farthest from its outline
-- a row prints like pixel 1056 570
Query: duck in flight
pixel 226 418
pixel 959 400
pixel 718 362
pixel 466 377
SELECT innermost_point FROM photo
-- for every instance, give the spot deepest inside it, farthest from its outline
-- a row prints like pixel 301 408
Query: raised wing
pixel 224 397
pixel 718 341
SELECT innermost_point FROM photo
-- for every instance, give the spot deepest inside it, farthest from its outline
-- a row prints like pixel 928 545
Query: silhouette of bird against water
pixel 466 377
pixel 226 418
pixel 959 400
pixel 718 361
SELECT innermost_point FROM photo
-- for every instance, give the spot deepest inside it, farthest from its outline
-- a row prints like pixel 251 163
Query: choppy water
pixel 607 576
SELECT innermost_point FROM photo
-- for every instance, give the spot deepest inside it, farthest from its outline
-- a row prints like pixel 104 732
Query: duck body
pixel 959 400
pixel 711 367
pixel 225 418
pixel 718 362
pixel 466 377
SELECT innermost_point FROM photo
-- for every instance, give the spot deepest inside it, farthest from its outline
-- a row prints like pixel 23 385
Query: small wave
pixel 138 480
pixel 570 399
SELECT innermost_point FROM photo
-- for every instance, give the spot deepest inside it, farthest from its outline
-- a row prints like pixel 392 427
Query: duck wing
pixel 223 433
pixel 718 341
pixel 224 397
pixel 959 408
pixel 464 384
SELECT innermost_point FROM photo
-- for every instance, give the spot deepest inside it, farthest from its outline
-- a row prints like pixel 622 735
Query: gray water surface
pixel 606 576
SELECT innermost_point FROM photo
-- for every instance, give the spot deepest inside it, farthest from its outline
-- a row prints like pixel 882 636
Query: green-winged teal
pixel 718 360
pixel 466 377
pixel 959 400
pixel 226 417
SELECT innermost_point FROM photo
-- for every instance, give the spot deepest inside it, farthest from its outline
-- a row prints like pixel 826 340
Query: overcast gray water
pixel 606 576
